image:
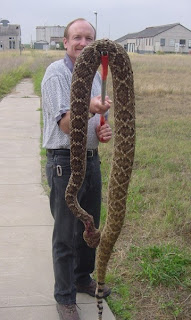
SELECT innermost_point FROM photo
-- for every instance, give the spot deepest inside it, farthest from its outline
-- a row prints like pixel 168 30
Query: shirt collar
pixel 68 62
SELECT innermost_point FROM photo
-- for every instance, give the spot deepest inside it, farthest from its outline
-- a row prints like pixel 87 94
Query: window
pixel 162 42
pixel 11 44
pixel 182 42
pixel 171 43
pixel 189 44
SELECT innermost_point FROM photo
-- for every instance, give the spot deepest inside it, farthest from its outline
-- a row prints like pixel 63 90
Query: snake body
pixel 123 152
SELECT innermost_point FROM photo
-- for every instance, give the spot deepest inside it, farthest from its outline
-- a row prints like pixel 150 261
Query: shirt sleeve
pixel 56 92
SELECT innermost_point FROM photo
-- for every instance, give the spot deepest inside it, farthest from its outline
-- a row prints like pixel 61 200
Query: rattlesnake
pixel 124 145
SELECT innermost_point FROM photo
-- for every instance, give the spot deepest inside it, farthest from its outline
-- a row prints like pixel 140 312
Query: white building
pixel 10 36
pixel 169 38
pixel 45 33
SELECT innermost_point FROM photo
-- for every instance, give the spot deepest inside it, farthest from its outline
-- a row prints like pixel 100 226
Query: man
pixel 73 260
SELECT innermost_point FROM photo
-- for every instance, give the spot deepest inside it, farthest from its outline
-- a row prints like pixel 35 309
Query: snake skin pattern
pixel 123 152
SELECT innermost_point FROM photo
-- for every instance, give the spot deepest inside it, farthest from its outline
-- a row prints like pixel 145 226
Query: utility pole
pixel 95 12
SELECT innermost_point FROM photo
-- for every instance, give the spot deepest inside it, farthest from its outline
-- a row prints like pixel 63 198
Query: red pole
pixel 104 72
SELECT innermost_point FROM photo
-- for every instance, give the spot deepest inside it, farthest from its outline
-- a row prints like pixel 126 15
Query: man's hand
pixel 104 133
pixel 64 123
pixel 96 105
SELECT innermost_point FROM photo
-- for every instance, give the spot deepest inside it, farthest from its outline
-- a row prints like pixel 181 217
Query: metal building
pixel 10 36
pixel 41 45
pixel 45 33
pixel 170 38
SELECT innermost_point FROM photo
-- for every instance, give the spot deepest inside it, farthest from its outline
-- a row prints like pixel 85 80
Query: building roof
pixel 42 42
pixel 148 32
pixel 10 30
pixel 51 27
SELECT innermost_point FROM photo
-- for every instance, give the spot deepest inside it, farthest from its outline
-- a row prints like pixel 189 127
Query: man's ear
pixel 65 43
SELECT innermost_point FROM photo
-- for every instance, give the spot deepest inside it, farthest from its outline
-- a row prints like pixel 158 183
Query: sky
pixel 115 18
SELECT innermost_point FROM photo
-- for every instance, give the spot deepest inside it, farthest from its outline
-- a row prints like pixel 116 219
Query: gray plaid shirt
pixel 55 88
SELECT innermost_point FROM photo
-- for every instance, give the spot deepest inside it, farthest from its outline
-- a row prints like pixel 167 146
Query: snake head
pixel 91 235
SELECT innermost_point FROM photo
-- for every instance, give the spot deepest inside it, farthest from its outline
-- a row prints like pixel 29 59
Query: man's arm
pixel 64 123
pixel 95 107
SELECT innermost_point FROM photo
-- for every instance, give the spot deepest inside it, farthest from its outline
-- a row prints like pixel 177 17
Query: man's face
pixel 80 34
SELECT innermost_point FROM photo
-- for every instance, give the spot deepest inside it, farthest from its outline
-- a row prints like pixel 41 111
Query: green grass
pixel 9 80
pixel 119 302
pixel 37 79
pixel 174 308
pixel 31 64
pixel 166 265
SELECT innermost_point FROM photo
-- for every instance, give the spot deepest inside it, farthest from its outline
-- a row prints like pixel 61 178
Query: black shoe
pixel 91 288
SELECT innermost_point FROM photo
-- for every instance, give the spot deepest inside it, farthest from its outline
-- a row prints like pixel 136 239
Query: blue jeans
pixel 73 260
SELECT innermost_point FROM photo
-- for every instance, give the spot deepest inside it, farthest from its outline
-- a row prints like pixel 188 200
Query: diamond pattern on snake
pixel 123 148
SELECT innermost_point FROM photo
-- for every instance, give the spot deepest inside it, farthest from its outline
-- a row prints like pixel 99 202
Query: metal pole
pixel 95 12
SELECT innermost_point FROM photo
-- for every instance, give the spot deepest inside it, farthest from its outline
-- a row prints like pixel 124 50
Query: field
pixel 151 264
pixel 150 268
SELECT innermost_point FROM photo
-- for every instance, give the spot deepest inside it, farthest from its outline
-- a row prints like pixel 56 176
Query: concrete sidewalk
pixel 26 274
